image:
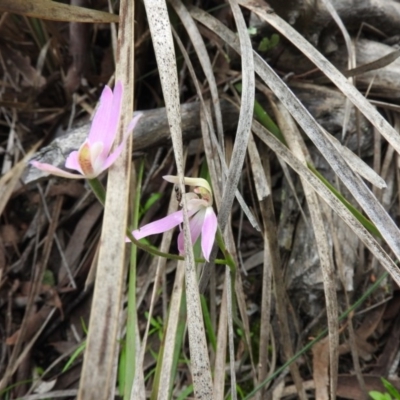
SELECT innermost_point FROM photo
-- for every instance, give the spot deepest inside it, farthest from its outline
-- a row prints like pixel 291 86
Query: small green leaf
pixel 274 40
pixel 376 395
pixel 149 203
pixel 268 44
pixel 391 389
pixel 74 356
pixel 252 31
pixel 264 45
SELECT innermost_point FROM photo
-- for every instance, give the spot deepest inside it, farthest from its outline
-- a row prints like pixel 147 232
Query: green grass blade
pixel 129 358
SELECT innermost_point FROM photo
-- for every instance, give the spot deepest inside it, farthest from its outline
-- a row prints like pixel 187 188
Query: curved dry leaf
pixel 170 335
pixel 160 30
pixel 265 12
pixel 296 144
pixel 245 117
pixel 320 369
pixel 357 164
pixel 101 351
pixel 45 9
pixel 337 206
pixel 201 50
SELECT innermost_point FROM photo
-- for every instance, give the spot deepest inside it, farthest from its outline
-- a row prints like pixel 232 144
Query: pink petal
pixel 115 154
pixel 160 226
pixel 195 225
pixel 181 243
pixel 98 130
pixel 72 162
pixel 55 171
pixel 133 123
pixel 208 232
pixel 112 157
pixel 114 117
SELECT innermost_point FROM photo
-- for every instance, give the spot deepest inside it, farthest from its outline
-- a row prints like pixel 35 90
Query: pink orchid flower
pixel 202 218
pixel 94 156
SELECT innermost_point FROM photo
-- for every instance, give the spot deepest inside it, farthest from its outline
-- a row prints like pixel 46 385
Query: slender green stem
pixel 98 189
pixel 228 258
pixel 131 323
pixel 230 262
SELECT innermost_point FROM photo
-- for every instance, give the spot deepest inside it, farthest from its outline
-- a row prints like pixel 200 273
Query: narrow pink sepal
pixel 208 231
pixel 55 171
pixel 114 117
pixel 113 156
pixel 160 226
pixel 98 129
pixel 181 243
pixel 195 224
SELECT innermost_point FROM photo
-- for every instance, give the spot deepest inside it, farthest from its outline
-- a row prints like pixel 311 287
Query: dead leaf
pixel 45 9
pixel 70 188
pixel 9 235
pixel 34 323
pixel 320 369
pixel 15 61
pixel 349 388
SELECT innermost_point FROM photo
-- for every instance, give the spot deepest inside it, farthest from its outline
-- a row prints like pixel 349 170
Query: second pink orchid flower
pixel 202 218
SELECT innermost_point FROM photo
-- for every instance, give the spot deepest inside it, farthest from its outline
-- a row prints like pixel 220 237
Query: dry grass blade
pixel 266 294
pixel 264 12
pixel 356 163
pixel 238 155
pixel 320 369
pixel 215 173
pixel 245 117
pixel 357 187
pixel 260 181
pixel 170 335
pixel 218 27
pixel 351 56
pixel 272 259
pixel 45 9
pixel 331 200
pixel 200 48
pixel 164 48
pixel 374 65
pixel 101 349
pixel 262 186
pixel 9 180
pixel 220 357
pixel 293 138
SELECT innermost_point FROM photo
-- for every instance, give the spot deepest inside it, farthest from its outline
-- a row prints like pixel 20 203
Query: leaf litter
pixel 50 229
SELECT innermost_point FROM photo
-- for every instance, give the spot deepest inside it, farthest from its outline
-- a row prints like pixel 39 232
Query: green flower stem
pixel 98 189
pixel 100 193
pixel 228 258
pixel 232 266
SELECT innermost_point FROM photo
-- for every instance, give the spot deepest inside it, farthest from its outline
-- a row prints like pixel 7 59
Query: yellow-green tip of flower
pixel 198 182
